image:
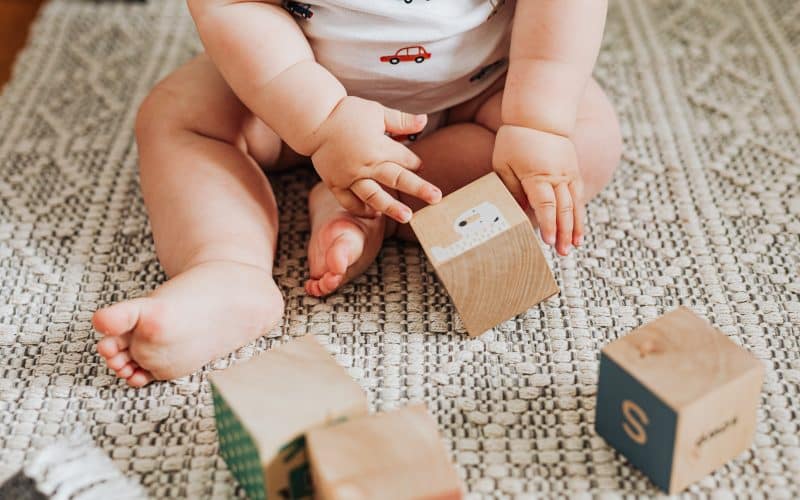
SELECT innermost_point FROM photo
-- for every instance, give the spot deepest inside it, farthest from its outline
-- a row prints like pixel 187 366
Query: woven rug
pixel 705 211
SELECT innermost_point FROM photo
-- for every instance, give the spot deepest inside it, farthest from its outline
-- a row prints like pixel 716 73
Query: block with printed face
pixel 475 225
pixel 484 250
pixel 265 406
pixel 391 456
pixel 677 398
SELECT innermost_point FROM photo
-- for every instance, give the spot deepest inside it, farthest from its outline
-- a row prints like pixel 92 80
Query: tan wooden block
pixel 265 406
pixel 484 250
pixel 395 455
pixel 678 398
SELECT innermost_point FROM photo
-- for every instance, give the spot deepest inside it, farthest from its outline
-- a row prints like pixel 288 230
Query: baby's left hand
pixel 542 168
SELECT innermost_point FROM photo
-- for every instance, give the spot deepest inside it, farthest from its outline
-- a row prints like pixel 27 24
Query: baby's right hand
pixel 357 160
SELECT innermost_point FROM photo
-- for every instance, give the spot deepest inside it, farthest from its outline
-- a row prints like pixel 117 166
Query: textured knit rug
pixel 705 211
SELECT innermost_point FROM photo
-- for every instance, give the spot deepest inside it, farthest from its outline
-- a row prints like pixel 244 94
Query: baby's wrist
pixel 540 134
pixel 538 150
pixel 299 101
pixel 328 129
pixel 543 95
pixel 346 123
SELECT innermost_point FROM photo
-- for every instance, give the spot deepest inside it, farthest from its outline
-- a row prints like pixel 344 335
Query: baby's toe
pixel 127 370
pixel 109 347
pixel 118 319
pixel 140 378
pixel 119 360
pixel 312 288
pixel 330 282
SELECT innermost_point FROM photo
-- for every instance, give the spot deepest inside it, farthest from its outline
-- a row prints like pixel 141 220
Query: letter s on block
pixel 636 420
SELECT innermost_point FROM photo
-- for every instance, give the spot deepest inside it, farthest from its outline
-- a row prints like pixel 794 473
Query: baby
pixel 395 102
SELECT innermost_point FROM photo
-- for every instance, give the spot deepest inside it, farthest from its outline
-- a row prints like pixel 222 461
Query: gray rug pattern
pixel 704 211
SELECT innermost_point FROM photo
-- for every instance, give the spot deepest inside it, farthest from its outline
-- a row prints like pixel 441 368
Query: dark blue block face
pixel 635 422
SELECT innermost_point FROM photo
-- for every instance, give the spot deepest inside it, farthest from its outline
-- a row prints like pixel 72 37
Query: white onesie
pixel 419 56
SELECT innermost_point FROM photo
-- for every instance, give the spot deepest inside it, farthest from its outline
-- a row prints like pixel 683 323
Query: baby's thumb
pixel 397 122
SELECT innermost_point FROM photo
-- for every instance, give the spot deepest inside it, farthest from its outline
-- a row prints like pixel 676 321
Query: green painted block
pixel 265 406
pixel 295 458
pixel 238 449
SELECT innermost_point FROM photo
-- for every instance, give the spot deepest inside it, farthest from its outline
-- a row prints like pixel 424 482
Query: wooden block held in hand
pixel 678 398
pixel 484 250
pixel 395 455
pixel 264 407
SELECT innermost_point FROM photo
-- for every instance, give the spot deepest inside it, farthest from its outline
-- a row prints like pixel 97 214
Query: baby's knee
pixel 157 113
pixel 598 142
pixel 598 171
pixel 612 153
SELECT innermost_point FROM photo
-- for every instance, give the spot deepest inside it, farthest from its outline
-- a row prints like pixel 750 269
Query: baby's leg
pixel 214 222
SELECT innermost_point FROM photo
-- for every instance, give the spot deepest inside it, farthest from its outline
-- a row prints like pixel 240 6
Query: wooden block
pixel 485 252
pixel 677 398
pixel 265 406
pixel 394 455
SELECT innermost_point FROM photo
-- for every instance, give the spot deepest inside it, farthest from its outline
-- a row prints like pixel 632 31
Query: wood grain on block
pixel 484 250
pixel 678 398
pixel 679 347
pixel 716 428
pixel 264 407
pixel 394 455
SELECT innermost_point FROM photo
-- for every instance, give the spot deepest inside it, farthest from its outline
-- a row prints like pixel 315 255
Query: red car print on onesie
pixel 416 53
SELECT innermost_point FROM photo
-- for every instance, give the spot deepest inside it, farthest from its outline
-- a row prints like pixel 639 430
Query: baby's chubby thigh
pixel 196 99
pixel 460 151
pixel 267 148
pixel 452 157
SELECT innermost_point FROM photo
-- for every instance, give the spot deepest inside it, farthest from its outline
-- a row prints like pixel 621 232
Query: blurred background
pixel 15 18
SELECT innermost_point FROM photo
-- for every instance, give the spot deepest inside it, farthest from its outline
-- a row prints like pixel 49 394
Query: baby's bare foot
pixel 203 313
pixel 342 246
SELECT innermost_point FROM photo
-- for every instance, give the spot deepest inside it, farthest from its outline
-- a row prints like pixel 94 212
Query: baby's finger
pixel 397 153
pixel 352 204
pixel 396 177
pixel 543 202
pixel 565 218
pixel 371 193
pixel 397 122
pixel 576 190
